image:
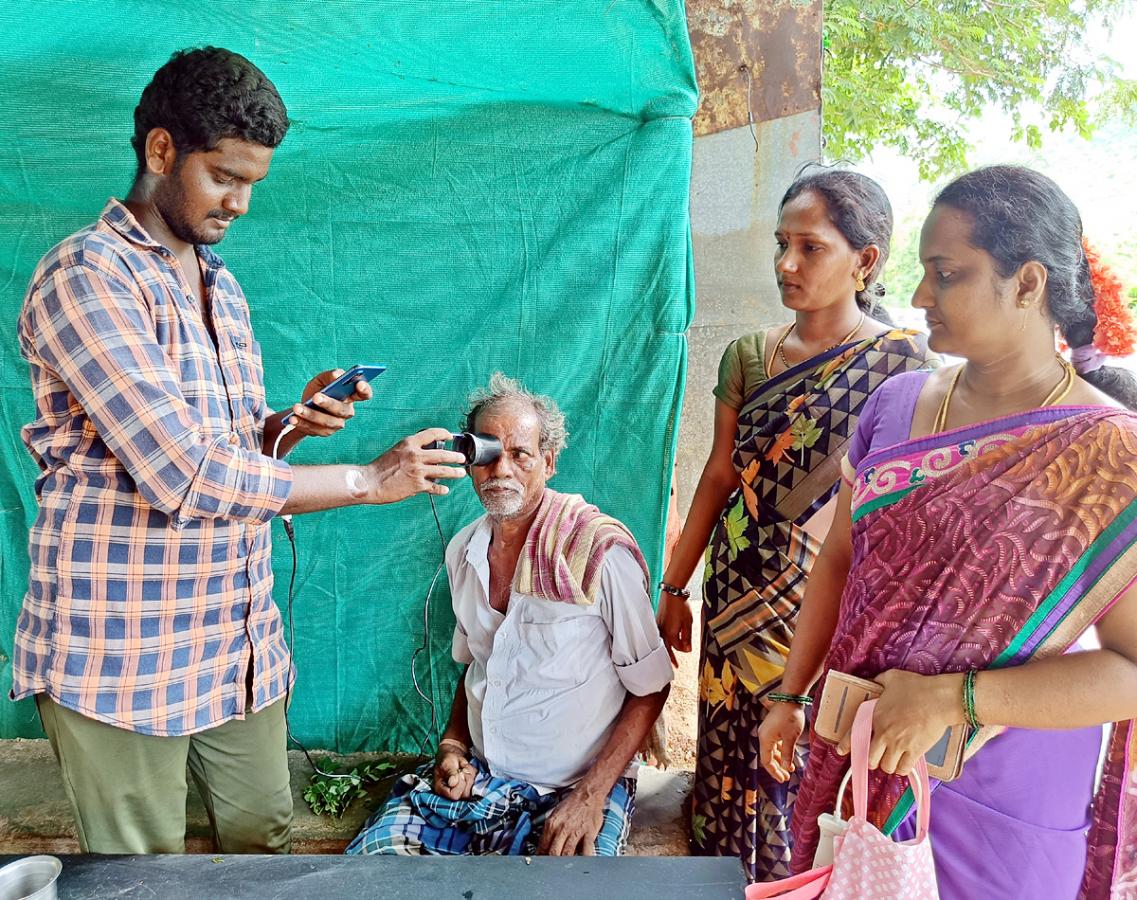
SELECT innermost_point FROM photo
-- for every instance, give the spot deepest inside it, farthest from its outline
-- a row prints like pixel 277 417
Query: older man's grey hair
pixel 503 390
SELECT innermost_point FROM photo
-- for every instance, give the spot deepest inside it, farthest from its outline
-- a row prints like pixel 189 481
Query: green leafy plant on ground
pixel 332 796
pixel 915 75
pixel 699 829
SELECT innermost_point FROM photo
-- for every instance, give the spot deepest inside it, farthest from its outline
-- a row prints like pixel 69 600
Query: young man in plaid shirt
pixel 148 635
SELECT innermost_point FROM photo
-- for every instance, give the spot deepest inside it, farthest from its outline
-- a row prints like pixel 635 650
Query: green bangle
pixel 969 699
pixel 777 697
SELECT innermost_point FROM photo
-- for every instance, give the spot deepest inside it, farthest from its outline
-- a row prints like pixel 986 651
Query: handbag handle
pixel 921 790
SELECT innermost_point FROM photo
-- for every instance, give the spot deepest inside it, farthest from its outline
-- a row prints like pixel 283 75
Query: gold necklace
pixel 781 353
pixel 1057 395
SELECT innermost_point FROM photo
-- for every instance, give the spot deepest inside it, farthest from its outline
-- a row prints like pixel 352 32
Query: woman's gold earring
pixel 860 282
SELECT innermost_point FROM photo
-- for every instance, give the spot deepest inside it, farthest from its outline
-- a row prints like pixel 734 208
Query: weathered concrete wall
pixel 735 185
pixel 734 200
pixel 769 50
pixel 737 180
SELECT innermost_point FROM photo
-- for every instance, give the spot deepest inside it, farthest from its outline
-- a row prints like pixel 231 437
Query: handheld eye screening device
pixel 479 449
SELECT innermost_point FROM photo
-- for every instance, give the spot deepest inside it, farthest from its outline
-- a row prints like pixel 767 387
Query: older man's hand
pixel 573 825
pixel 453 774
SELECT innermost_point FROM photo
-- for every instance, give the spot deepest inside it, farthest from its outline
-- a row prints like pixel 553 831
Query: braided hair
pixel 1019 215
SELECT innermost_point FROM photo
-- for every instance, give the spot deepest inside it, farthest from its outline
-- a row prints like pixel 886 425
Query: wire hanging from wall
pixel 745 70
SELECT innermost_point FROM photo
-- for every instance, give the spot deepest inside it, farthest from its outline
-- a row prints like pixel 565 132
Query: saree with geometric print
pixel 793 430
pixel 984 547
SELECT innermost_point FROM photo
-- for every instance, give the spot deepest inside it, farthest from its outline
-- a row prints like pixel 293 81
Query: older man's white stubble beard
pixel 504 504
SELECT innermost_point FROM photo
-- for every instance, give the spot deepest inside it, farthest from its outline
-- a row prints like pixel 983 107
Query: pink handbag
pixel 867 863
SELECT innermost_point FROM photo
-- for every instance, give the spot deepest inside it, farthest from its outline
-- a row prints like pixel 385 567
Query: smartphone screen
pixel 344 386
pixel 937 756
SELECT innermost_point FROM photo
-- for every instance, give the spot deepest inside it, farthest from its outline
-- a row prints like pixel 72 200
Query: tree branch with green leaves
pixel 915 76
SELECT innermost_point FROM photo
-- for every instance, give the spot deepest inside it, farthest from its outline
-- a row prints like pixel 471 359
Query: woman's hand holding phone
pixel 916 715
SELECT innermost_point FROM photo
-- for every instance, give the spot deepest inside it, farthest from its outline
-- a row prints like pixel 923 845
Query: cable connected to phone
pixel 478 449
pixel 432 729
pixel 290 530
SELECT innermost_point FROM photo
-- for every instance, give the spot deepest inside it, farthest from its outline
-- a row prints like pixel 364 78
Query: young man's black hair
pixel 204 95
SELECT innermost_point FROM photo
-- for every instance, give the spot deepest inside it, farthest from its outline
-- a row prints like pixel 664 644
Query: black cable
pixel 432 729
pixel 288 529
pixel 291 642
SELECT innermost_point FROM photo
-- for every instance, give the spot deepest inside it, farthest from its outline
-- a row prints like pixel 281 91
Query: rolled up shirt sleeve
pixel 460 644
pixel 233 483
pixel 96 334
pixel 638 651
pixel 460 647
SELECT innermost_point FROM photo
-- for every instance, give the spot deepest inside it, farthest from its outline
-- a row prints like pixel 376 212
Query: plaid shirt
pixel 150 592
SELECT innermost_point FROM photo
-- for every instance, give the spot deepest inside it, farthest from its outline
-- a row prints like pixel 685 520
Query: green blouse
pixel 742 369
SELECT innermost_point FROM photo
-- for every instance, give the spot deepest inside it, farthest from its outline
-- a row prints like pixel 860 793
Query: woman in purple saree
pixel 987 523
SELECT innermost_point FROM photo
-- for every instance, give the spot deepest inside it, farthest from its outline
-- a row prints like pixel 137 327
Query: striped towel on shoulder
pixel 564 552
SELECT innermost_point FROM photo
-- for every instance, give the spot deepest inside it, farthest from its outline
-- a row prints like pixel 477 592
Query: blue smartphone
pixel 344 386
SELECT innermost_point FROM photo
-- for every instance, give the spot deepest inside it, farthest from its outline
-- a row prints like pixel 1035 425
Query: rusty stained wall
pixel 737 181
pixel 779 41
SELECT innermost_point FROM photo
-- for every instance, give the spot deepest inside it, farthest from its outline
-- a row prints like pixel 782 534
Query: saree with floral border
pixel 984 547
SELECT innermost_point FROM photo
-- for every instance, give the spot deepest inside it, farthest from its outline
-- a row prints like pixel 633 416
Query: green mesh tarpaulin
pixel 467 186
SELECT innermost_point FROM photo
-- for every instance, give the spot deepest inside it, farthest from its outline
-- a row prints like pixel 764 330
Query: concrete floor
pixel 35 816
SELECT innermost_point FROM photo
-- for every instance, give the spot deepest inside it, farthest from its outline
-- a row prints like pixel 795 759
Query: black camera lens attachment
pixel 479 449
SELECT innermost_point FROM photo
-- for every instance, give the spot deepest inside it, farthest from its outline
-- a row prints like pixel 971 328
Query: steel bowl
pixel 30 878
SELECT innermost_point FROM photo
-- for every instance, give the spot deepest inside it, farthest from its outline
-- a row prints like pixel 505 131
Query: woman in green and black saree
pixel 788 399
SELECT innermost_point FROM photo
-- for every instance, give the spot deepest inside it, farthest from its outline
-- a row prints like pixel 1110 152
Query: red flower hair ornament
pixel 1114 334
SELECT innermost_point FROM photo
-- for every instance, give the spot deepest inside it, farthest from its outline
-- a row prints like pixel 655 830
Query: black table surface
pixel 204 877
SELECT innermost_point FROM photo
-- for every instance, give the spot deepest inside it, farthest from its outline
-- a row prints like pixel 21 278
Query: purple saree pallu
pixel 987 547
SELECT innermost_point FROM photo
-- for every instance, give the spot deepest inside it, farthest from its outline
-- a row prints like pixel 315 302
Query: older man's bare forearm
pixel 458 728
pixel 628 735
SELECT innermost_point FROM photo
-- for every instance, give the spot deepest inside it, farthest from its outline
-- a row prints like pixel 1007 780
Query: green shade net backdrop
pixel 467 186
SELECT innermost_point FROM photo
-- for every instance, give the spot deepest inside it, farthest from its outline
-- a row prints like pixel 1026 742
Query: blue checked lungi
pixel 502 817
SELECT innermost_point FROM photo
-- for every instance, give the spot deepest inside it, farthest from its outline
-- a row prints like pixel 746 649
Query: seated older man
pixel 566 672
